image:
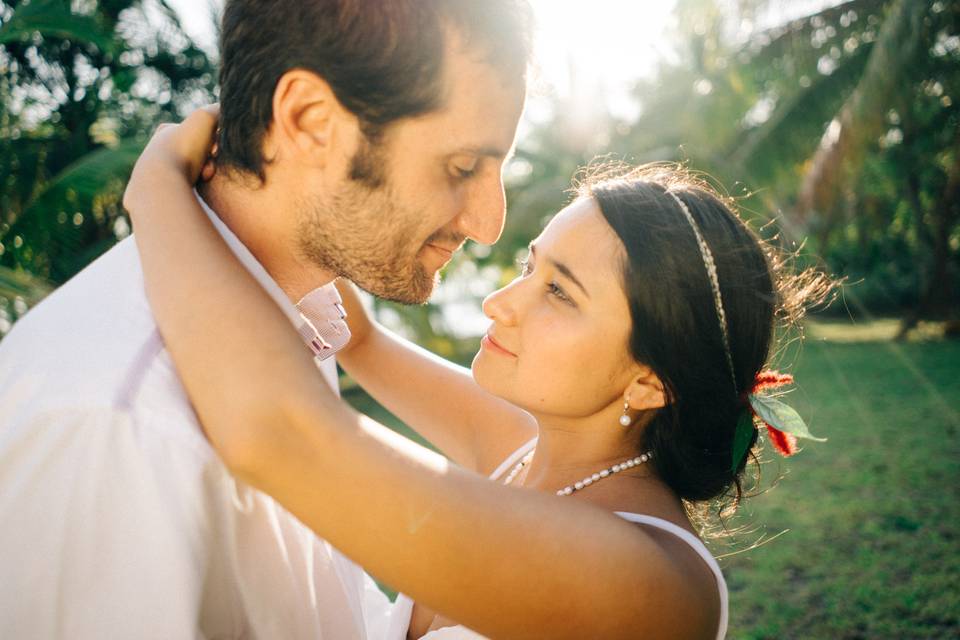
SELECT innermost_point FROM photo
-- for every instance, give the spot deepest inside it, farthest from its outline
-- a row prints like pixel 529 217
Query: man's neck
pixel 254 214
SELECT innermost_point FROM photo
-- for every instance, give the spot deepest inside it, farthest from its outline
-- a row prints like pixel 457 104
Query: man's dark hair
pixel 382 58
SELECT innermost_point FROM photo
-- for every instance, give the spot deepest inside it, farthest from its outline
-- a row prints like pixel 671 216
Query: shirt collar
pixel 319 316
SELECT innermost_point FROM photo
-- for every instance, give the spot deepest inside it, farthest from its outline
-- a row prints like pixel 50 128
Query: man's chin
pixel 416 290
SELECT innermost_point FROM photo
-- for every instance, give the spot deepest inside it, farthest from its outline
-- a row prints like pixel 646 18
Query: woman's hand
pixel 183 150
pixel 358 319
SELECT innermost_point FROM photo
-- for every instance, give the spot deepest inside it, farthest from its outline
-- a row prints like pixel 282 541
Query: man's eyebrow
pixel 562 268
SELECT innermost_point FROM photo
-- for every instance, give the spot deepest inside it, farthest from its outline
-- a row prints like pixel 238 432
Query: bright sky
pixel 588 53
pixel 601 44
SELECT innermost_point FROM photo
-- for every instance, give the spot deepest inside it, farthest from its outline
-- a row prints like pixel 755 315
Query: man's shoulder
pixel 88 329
pixel 107 294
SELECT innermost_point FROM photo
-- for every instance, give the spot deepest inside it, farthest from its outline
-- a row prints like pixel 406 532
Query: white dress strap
pixel 697 545
pixel 513 459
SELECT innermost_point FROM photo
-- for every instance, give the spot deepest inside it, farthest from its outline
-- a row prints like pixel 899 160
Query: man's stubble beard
pixel 362 233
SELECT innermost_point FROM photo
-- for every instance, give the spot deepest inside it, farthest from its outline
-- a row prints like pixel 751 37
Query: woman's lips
pixel 488 342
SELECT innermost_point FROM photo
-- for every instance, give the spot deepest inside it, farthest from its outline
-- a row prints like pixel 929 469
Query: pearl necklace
pixel 589 480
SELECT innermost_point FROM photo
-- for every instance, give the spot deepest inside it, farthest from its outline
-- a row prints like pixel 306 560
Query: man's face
pixel 412 199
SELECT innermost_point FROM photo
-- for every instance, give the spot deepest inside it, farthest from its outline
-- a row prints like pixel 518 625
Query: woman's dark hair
pixel 382 58
pixel 676 330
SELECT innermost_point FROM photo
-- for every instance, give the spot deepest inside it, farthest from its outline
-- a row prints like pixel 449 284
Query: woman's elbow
pixel 241 441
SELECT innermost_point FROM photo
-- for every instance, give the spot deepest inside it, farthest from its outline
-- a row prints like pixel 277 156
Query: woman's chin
pixel 482 375
pixel 475 368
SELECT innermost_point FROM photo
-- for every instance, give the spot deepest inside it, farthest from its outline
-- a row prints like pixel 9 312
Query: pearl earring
pixel 625 419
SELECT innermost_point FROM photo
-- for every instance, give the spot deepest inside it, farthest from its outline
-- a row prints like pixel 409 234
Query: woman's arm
pixel 505 561
pixel 436 398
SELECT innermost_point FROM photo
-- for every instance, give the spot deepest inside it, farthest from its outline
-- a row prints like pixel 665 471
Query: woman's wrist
pixel 358 317
pixel 152 184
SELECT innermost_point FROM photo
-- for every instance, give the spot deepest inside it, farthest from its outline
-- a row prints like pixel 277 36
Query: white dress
pixel 403 607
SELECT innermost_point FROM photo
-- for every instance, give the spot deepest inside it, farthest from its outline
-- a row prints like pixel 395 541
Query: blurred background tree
pixel 840 124
pixel 81 85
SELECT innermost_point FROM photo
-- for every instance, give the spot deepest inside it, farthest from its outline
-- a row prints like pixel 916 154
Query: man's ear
pixel 306 114
pixel 645 391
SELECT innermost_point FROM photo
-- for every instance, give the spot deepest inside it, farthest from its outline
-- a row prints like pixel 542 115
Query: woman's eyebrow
pixel 562 268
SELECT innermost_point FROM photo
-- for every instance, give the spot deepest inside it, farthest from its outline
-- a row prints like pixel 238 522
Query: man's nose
pixel 484 211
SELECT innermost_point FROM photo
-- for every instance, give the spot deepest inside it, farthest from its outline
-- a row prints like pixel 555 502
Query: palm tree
pixel 81 84
pixel 892 87
pixel 841 122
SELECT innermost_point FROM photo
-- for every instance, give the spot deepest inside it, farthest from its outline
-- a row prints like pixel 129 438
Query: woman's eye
pixel 555 290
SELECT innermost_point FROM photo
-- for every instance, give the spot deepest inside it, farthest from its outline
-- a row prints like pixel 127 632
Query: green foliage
pixel 53 19
pixel 81 84
pixel 55 217
pixel 782 417
pixel 752 110
pixel 741 439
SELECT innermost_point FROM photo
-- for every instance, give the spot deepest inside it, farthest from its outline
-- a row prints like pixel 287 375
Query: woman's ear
pixel 645 392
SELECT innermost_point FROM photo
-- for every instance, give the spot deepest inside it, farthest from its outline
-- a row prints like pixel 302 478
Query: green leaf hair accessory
pixel 783 423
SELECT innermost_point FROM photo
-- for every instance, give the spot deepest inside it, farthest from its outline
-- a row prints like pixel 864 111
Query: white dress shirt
pixel 118 519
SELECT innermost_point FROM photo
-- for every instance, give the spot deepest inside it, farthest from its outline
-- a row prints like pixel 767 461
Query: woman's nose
pixel 500 305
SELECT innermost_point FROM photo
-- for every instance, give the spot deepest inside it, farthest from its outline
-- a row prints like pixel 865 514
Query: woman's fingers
pixel 184 147
pixel 194 137
pixel 210 167
pixel 188 144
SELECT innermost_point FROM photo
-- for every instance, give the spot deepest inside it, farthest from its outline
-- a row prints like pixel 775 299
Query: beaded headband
pixel 711 266
pixel 783 423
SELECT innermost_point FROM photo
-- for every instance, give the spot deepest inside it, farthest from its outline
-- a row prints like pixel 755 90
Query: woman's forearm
pixel 194 295
pixel 461 544
pixel 439 400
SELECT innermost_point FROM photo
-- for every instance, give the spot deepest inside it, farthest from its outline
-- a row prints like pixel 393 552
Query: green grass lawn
pixel 871 517
pixel 868 522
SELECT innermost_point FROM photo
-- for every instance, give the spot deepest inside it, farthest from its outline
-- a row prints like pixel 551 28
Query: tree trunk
pixel 939 297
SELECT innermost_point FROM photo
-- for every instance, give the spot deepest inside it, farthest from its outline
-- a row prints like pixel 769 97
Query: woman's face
pixel 558 344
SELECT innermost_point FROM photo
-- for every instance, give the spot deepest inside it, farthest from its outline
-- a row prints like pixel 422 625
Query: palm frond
pixel 86 177
pixel 861 118
pixel 795 126
pixel 20 284
pixel 53 18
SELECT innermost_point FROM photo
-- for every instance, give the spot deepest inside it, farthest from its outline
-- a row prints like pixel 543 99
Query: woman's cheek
pixel 557 369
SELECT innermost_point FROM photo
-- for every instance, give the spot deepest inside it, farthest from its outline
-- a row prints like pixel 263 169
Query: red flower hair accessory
pixel 783 423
